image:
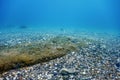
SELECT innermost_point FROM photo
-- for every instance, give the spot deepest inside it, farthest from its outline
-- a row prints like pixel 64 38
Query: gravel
pixel 99 61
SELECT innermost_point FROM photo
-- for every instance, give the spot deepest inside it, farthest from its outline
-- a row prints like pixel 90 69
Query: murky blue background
pixel 56 15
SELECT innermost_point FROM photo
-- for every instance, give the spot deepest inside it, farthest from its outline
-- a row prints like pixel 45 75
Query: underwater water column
pixel 90 15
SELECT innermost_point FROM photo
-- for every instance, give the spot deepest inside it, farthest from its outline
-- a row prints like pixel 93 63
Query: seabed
pixel 41 56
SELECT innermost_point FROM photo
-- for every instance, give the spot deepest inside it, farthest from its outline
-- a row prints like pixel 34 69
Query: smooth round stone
pixel 13 78
pixel 118 60
pixel 49 76
pixel 71 76
pixel 39 76
pixel 55 73
pixel 1 78
pixel 84 72
pixel 65 71
pixel 19 42
pixel 56 64
pixel 73 52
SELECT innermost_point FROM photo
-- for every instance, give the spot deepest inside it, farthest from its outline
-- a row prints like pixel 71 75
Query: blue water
pixel 60 15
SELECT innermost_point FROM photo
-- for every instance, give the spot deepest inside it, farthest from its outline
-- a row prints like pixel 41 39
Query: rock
pixel 55 73
pixel 118 60
pixel 1 78
pixel 118 65
pixel 65 71
pixel 84 72
pixel 49 76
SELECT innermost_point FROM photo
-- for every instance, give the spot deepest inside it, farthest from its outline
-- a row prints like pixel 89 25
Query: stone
pixel 65 71
pixel 49 76
pixel 118 60
pixel 1 78
pixel 118 65
pixel 84 72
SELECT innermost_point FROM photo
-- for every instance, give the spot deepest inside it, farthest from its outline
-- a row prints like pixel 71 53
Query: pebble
pixel 118 65
pixel 65 71
pixel 118 60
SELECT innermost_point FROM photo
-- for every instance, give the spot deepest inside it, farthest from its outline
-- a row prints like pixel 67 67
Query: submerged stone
pixel 65 71
pixel 118 65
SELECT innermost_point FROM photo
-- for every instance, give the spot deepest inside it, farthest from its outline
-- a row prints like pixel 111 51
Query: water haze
pixel 60 15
